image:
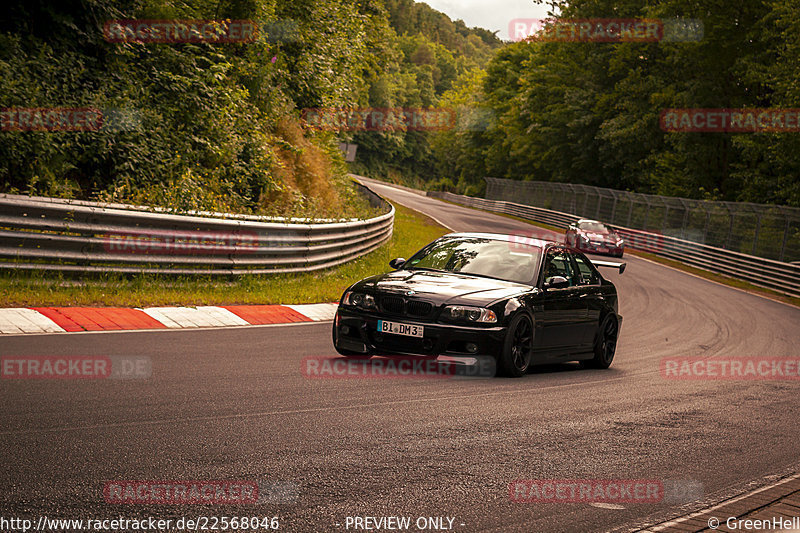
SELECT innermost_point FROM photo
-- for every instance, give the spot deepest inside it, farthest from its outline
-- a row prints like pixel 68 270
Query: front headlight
pixel 465 313
pixel 583 238
pixel 359 299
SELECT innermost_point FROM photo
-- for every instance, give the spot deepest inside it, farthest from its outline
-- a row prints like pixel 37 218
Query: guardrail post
pixel 572 203
pixel 785 239
pixel 585 203
pixel 755 237
pixel 630 211
pixel 730 229
pixel 685 221
pixel 613 207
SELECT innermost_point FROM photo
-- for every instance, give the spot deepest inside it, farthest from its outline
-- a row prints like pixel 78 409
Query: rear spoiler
pixel 611 264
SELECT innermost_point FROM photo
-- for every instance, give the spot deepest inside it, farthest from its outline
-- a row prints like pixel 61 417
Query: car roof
pixel 590 220
pixel 520 239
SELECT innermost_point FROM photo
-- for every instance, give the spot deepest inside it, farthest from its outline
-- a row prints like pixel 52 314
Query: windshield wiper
pixel 487 276
pixel 468 274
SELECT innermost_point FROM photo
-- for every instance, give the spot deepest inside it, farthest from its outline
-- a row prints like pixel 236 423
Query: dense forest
pixel 584 112
pixel 219 125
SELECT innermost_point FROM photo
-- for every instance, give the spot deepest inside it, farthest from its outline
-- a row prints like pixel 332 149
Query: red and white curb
pixel 70 319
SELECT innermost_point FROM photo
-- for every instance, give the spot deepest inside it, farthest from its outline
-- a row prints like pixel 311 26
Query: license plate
pixel 409 330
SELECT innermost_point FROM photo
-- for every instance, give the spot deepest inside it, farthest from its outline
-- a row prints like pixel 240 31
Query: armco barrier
pixel 775 275
pixel 76 236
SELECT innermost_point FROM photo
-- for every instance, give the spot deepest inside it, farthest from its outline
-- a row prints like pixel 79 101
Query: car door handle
pixel 589 295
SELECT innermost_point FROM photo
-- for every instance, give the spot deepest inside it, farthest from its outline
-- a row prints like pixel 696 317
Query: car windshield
pixel 594 226
pixel 509 261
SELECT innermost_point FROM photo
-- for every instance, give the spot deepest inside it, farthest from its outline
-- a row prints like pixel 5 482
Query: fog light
pixel 345 330
pixel 472 347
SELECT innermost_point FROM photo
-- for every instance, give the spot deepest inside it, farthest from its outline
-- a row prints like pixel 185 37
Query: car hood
pixel 602 237
pixel 441 287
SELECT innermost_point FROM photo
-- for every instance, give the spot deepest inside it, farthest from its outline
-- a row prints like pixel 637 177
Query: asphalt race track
pixel 232 404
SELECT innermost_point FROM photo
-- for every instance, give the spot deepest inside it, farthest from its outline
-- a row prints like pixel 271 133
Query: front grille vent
pixel 398 305
pixel 393 304
pixel 418 309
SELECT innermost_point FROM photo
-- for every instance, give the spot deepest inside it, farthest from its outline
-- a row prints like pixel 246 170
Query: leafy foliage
pixel 209 125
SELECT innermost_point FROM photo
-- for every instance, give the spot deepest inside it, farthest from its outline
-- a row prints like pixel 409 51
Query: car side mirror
pixel 397 263
pixel 556 282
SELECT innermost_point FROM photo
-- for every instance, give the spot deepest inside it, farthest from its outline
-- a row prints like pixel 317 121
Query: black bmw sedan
pixel 470 294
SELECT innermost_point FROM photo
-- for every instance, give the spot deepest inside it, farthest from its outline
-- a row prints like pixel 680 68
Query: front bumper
pixel 357 331
pixel 600 248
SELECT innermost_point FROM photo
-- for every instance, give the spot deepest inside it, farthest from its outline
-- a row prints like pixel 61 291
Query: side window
pixel 586 273
pixel 558 264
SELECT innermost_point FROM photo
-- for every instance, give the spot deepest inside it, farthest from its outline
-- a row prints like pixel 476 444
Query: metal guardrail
pixel 78 236
pixel 767 273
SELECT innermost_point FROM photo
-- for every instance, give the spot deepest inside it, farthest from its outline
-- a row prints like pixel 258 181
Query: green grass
pixel 412 231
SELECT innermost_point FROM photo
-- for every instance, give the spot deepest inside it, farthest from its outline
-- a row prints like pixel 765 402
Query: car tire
pixel 605 344
pixel 517 347
pixel 346 353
